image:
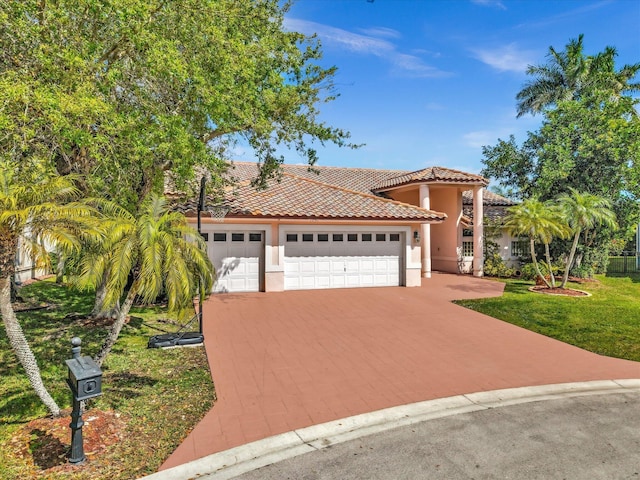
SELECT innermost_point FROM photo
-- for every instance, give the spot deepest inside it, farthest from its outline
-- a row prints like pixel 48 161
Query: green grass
pixel 607 323
pixel 161 394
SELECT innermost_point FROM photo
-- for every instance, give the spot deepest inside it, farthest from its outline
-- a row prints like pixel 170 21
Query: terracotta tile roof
pixel 298 197
pixel 356 179
pixel 334 192
pixel 495 206
pixel 492 212
pixel 431 175
pixel 488 198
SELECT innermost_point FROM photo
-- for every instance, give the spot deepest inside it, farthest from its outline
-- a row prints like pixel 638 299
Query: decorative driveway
pixel 287 360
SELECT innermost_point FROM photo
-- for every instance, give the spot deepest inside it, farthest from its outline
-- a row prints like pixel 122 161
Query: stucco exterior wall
pixel 406 196
pixel 445 236
pixel 25 268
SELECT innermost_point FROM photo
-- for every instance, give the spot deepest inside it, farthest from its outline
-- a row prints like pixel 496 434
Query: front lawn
pixel 152 398
pixel 607 323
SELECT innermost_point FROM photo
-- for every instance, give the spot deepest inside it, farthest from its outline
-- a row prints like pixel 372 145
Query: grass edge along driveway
pixel 157 395
pixel 607 323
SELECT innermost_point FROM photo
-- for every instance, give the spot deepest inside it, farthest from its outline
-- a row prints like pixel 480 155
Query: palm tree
pixel 155 253
pixel 570 75
pixel 35 206
pixel 583 211
pixel 538 221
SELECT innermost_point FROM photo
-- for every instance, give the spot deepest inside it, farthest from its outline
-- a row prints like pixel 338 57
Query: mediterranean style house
pixel 333 227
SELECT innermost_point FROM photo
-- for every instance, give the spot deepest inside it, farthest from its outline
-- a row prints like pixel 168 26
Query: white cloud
pixel 490 3
pixel 381 32
pixel 411 65
pixel 507 58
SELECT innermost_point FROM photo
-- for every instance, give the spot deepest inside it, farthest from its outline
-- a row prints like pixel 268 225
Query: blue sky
pixel 426 83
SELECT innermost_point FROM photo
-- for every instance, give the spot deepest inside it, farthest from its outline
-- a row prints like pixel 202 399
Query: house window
pixel 255 237
pixel 352 237
pixel 237 237
pixel 323 237
pixel 467 249
pixel 467 232
pixel 519 248
pixel 394 237
pixel 381 237
pixel 292 237
pixel 366 237
pixel 307 237
pixel 219 237
pixel 338 237
pixel 205 236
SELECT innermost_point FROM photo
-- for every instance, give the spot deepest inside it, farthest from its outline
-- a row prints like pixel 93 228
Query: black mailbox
pixel 85 378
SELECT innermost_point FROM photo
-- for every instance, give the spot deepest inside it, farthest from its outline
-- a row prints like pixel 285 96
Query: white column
pixel 425 234
pixel 478 227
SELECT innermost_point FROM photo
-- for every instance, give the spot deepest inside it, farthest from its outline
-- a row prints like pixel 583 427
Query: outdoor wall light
pixel 416 236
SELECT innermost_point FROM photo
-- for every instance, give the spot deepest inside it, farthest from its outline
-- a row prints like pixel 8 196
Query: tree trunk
pixel 113 334
pixel 60 268
pixel 21 347
pixel 572 255
pixel 548 257
pixel 98 306
pixel 535 263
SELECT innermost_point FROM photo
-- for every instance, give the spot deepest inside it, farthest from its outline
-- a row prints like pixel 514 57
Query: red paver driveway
pixel 287 360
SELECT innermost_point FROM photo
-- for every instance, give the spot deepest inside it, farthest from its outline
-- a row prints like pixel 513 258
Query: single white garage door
pixel 237 258
pixel 342 259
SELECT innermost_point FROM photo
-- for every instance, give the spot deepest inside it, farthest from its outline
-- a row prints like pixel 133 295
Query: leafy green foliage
pixel 494 266
pixel 589 139
pixel 150 388
pixel 125 90
pixel 528 271
pixel 36 207
pixel 570 75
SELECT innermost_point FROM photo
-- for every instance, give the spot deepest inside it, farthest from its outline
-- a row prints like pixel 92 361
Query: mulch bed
pixel 48 440
pixel 566 292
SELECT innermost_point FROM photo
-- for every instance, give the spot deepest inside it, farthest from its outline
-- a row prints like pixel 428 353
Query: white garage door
pixel 237 258
pixel 342 259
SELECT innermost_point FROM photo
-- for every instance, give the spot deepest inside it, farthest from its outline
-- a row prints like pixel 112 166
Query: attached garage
pixel 238 259
pixel 342 259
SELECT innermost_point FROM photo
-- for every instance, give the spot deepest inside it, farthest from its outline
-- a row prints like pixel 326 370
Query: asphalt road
pixel 592 437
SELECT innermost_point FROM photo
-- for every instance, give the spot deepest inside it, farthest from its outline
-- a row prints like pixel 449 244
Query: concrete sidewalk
pixel 289 360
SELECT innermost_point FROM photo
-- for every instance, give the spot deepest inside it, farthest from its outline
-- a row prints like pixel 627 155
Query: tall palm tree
pixel 569 75
pixel 155 253
pixel 583 211
pixel 538 221
pixel 35 205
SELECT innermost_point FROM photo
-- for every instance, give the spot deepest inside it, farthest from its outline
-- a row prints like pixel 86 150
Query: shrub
pixel 528 271
pixel 494 266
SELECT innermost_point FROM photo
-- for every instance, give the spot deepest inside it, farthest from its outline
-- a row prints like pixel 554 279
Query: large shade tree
pixel 36 207
pixel 589 139
pixel 126 90
pixel 152 254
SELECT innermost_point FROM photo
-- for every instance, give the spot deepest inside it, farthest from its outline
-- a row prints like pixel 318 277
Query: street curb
pixel 245 458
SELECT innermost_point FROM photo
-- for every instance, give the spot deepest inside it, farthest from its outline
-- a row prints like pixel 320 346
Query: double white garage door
pixel 341 259
pixel 312 260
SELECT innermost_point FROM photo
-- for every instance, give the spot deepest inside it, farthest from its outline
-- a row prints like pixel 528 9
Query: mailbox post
pixel 85 381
